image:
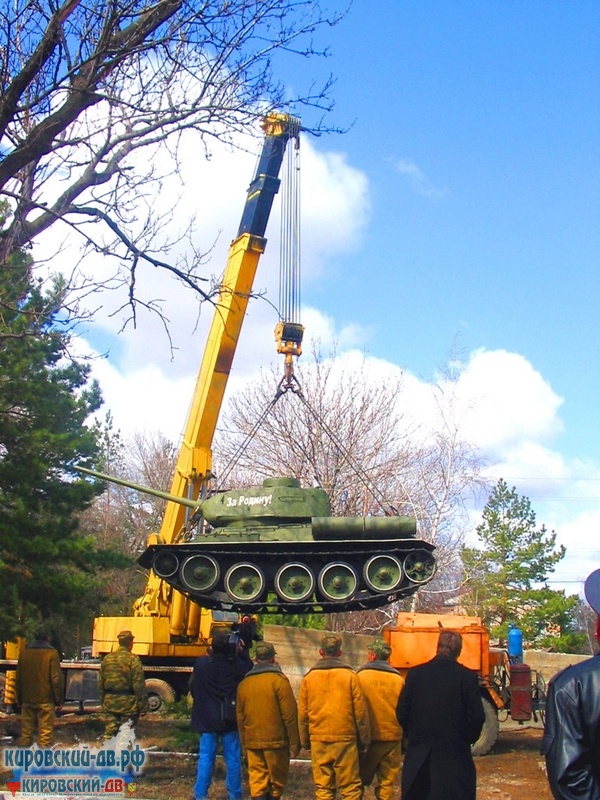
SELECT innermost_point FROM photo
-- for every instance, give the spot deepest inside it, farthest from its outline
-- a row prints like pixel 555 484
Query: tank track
pixel 294 577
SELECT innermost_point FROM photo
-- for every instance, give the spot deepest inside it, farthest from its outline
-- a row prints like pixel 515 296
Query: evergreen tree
pixel 507 576
pixel 46 565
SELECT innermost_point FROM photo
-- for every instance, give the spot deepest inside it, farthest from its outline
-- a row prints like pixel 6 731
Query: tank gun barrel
pixel 101 476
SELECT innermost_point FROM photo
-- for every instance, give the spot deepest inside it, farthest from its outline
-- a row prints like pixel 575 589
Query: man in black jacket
pixel 442 715
pixel 571 742
pixel 214 686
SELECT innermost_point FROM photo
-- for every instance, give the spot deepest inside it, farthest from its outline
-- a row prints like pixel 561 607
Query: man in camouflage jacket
pixel 122 686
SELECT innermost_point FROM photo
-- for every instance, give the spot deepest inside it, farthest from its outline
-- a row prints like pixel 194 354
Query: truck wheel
pixel 2 687
pixel 489 732
pixel 159 694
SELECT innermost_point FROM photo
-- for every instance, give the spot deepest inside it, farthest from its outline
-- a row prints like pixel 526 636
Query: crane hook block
pixel 288 336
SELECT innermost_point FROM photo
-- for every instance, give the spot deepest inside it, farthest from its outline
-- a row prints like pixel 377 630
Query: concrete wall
pixel 298 649
pixel 548 664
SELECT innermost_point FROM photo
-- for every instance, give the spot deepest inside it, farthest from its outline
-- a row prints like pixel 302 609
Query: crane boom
pixel 186 621
pixel 195 457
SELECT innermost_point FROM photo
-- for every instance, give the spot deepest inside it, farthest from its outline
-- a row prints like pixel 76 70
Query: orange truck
pixel 511 688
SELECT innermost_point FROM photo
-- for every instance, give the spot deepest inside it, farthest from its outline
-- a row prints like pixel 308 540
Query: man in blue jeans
pixel 213 686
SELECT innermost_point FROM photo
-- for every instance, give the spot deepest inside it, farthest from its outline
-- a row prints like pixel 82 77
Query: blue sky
pixel 478 125
pixel 459 212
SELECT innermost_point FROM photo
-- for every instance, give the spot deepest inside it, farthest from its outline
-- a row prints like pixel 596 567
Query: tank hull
pixel 294 576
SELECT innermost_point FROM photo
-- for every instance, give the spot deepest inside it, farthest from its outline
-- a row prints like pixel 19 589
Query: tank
pixel 276 548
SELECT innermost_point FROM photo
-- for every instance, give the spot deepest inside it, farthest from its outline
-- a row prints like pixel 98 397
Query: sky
pixel 456 215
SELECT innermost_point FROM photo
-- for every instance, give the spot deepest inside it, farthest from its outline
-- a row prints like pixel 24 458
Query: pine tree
pixel 46 565
pixel 507 575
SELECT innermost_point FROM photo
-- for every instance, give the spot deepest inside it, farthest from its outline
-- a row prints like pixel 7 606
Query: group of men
pixel 40 689
pixel 351 722
pixel 338 718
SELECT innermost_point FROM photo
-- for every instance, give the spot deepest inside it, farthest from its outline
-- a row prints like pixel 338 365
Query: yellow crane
pixel 171 630
pixel 165 623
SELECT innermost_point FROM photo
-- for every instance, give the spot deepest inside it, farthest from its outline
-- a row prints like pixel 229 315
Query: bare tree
pixel 343 433
pixel 121 519
pixel 349 435
pixel 586 621
pixel 87 87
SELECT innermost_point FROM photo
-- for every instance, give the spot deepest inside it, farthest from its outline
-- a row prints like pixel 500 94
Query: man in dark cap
pixel 381 685
pixel 122 686
pixel 213 687
pixel 267 719
pixel 571 742
pixel 333 722
pixel 39 689
pixel 247 630
pixel 442 715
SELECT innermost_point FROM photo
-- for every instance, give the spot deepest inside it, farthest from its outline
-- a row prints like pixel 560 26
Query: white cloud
pixel 511 400
pixel 146 388
pixel 419 181
pixel 579 534
pixel 503 403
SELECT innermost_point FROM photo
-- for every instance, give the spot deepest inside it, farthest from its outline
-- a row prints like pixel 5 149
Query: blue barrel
pixel 515 644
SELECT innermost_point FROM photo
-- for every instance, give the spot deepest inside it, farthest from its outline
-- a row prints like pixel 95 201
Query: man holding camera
pixel 213 687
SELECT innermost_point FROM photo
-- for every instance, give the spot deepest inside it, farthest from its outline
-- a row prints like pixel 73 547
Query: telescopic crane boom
pixel 160 604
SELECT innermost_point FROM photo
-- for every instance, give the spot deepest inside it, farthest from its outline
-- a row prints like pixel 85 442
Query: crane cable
pixel 289 331
pixel 388 509
pixel 289 244
pixel 361 474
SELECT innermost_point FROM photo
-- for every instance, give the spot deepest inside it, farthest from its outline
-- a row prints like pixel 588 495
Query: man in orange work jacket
pixel 267 719
pixel 381 685
pixel 333 723
pixel 39 690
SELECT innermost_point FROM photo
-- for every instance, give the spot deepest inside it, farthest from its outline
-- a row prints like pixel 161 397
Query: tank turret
pixel 276 547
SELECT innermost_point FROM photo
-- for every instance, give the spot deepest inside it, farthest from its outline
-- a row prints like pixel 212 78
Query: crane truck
pixel 170 629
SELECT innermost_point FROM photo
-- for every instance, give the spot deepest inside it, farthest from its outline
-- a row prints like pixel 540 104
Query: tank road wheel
pixel 294 582
pixel 165 564
pixel 383 574
pixel 200 573
pixel 489 732
pixel 338 581
pixel 419 567
pixel 159 694
pixel 244 582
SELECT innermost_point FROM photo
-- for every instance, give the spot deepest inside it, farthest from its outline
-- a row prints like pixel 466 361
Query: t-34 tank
pixel 277 548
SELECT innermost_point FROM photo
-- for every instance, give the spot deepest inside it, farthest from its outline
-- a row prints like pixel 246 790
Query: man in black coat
pixel 213 686
pixel 442 715
pixel 571 742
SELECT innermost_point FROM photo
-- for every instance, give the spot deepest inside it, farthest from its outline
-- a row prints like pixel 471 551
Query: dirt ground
pixel 514 770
